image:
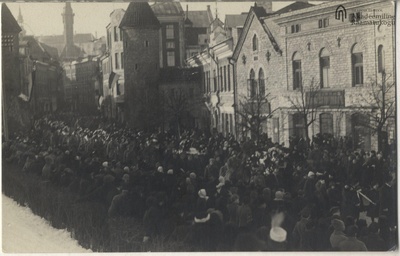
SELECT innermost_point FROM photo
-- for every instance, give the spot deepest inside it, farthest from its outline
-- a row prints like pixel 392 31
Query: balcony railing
pixel 326 98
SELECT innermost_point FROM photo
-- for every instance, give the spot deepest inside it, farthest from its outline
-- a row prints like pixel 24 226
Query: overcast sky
pixel 45 18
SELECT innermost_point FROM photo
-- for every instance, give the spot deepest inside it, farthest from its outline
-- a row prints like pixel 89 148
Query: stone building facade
pixel 141 57
pixel 309 48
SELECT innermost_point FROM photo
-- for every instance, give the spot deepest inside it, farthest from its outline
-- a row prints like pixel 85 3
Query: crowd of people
pixel 216 193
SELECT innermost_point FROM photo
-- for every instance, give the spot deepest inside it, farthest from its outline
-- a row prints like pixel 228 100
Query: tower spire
pixel 216 9
pixel 20 19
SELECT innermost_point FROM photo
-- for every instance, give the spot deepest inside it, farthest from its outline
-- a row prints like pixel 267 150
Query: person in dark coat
pixel 352 243
pixel 372 240
pixel 151 219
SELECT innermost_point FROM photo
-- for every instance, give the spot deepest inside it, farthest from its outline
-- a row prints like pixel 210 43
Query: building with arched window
pixel 324 76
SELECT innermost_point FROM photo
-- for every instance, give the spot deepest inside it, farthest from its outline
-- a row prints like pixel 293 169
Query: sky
pixel 45 18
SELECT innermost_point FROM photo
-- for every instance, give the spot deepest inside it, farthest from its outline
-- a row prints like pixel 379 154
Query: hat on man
pixel 338 225
pixel 278 234
pixel 278 196
pixel 311 174
pixel 202 193
pixel 105 164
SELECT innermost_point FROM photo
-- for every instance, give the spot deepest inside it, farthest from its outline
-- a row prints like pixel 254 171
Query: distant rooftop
pixel 167 8
pixel 235 20
pixel 200 19
pixel 139 14
pixel 293 7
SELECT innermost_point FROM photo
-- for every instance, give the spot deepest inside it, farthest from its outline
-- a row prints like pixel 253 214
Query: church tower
pixel 20 21
pixel 68 19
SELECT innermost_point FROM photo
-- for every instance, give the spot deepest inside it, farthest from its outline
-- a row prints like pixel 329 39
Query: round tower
pixel 141 69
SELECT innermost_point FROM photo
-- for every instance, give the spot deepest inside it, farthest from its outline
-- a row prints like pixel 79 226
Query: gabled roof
pixel 255 13
pixel 235 20
pixel 200 19
pixel 8 23
pixel 167 8
pixel 293 7
pixel 216 23
pixel 50 50
pixel 139 15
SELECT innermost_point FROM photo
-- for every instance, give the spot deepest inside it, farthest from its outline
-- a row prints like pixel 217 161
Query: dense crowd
pixel 216 193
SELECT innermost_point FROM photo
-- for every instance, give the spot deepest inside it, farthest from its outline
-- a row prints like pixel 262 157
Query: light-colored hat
pixel 170 171
pixel 202 193
pixel 126 169
pixel 278 195
pixel 310 174
pixel 160 169
pixel 278 234
pixel 192 175
pixel 105 164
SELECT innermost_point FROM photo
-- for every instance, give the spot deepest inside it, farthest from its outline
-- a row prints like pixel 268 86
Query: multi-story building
pixel 197 30
pixel 112 65
pixel 172 41
pixel 141 40
pixel 320 71
pixel 87 84
pixel 12 119
pixel 41 76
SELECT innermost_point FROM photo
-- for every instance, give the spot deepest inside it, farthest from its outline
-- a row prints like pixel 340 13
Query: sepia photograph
pixel 194 126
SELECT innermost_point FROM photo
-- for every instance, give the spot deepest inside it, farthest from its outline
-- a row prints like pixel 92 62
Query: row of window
pixel 223 123
pixel 119 63
pixel 357 68
pixel 221 79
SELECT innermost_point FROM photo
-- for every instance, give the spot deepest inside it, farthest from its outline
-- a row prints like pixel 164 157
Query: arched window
pixel 324 65
pixel 357 65
pixel 252 85
pixel 255 43
pixel 297 126
pixel 261 82
pixel 381 62
pixel 326 123
pixel 296 64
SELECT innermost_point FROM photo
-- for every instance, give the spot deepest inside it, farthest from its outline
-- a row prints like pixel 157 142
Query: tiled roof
pixel 293 7
pixel 235 20
pixel 259 11
pixel 139 14
pixel 200 19
pixel 50 50
pixel 167 8
pixel 8 22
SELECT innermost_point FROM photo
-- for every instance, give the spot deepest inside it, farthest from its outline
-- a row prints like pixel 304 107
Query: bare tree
pixel 177 104
pixel 304 101
pixel 254 111
pixel 381 99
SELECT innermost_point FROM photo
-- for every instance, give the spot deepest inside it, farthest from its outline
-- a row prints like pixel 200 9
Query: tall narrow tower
pixel 20 21
pixel 68 19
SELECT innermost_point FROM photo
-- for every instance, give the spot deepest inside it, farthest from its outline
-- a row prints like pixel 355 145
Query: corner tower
pixel 141 57
pixel 68 19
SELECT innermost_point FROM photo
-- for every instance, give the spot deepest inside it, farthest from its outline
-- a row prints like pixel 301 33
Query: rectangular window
pixel 215 81
pixel 208 81
pixel 170 45
pixel 115 34
pixel 323 23
pixel 324 69
pixel 205 82
pixel 326 123
pixel 170 59
pixel 116 61
pixel 358 72
pixel 229 78
pixel 231 123
pixel 169 29
pixel 225 78
pixel 122 60
pixel 221 82
pixel 295 28
pixel 121 37
pixel 296 74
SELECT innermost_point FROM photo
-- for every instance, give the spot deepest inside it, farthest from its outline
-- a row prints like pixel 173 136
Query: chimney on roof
pixel 208 8
pixel 267 5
